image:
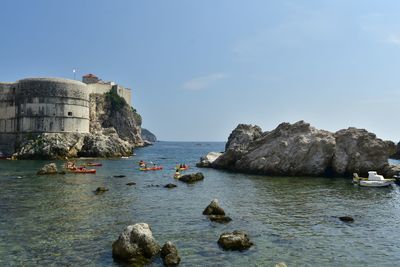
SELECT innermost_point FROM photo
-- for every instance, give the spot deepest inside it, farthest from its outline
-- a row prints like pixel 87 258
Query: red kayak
pixel 152 168
pixel 83 170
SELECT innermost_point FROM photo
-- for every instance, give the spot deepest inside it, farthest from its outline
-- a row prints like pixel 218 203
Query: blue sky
pixel 198 68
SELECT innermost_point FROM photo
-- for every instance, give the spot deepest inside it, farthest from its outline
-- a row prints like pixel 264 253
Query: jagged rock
pixel 111 111
pixel 100 190
pixel 131 183
pixel 358 150
pixel 207 160
pixel 105 144
pixel 48 169
pixel 170 185
pixel 147 143
pixel 169 254
pixel 237 240
pixel 220 218
pixel 346 219
pixel 135 244
pixel 148 136
pixel 396 154
pixel 301 150
pixel 49 146
pixel 191 178
pixel 214 209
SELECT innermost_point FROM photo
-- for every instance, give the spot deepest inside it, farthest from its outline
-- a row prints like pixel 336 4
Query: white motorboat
pixel 373 180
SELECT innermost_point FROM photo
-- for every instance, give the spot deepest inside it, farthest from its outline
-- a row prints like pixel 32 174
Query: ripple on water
pixel 58 220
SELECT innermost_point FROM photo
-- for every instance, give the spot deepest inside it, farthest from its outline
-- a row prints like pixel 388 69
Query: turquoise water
pixel 58 220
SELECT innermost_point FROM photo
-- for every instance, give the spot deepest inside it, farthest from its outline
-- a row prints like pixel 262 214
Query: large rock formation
pixel 148 136
pixel 299 149
pixel 110 110
pixel 207 160
pixel 135 244
pixel 114 132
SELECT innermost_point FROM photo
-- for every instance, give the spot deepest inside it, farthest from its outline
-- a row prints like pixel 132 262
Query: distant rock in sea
pixel 299 149
pixel 148 136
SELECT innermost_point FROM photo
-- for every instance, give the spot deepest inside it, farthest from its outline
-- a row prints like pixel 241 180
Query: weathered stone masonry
pixel 47 105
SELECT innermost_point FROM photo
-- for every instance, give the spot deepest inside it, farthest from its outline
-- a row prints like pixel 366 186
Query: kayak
pixel 83 171
pixel 184 168
pixel 152 168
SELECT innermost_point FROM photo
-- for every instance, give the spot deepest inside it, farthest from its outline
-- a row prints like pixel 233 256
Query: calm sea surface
pixel 58 220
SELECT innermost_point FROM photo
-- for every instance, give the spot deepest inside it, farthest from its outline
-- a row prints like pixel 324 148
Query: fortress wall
pixel 124 93
pixel 98 88
pixel 7 143
pixel 7 108
pixel 52 105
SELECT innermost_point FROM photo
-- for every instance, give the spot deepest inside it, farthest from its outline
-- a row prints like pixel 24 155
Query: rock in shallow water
pixel 237 240
pixel 220 218
pixel 191 178
pixel 100 190
pixel 214 209
pixel 346 219
pixel 207 160
pixel 169 254
pixel 135 244
pixel 299 149
pixel 170 186
pixel 48 169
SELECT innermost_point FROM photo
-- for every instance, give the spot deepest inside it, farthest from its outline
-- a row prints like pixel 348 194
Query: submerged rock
pixel 237 240
pixel 48 169
pixel 135 244
pixel 131 183
pixel 119 176
pixel 170 186
pixel 169 254
pixel 220 218
pixel 207 160
pixel 301 150
pixel 281 264
pixel 346 219
pixel 214 209
pixel 191 178
pixel 100 190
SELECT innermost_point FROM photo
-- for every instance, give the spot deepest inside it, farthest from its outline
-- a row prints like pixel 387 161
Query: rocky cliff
pixel 148 136
pixel 115 129
pixel 299 149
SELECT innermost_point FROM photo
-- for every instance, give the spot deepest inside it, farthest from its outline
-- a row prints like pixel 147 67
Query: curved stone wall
pixel 44 105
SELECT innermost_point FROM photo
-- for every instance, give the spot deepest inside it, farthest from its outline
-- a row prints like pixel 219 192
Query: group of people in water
pixel 147 166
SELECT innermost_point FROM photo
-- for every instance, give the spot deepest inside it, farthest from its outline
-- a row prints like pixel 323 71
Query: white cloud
pixel 393 38
pixel 203 82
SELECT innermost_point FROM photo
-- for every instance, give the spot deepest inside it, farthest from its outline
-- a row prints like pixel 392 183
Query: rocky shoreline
pixel 301 150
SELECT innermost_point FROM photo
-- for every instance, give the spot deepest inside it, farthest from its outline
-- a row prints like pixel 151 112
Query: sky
pixel 199 68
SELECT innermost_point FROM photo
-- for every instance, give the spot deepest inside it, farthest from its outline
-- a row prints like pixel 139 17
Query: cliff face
pixel 109 110
pixel 148 136
pixel 299 149
pixel 114 131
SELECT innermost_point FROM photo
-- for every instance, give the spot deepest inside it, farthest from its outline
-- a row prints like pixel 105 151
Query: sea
pixel 59 220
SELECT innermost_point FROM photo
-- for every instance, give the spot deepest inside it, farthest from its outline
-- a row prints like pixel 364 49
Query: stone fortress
pixel 49 105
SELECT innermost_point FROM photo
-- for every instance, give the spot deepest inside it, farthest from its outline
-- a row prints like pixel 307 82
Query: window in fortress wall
pixel 69 113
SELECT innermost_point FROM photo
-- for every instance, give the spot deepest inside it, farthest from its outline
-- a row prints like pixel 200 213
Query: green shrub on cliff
pixel 117 102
